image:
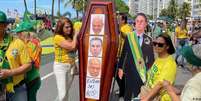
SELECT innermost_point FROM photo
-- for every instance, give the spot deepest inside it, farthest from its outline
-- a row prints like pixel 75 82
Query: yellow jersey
pixel 17 55
pixel 162 69
pixel 181 34
pixel 63 55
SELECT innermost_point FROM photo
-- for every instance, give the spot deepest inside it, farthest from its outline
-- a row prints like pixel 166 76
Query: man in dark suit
pixel 127 65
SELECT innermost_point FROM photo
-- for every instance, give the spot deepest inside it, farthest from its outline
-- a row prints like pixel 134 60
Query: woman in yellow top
pixel 181 36
pixel 181 31
pixel 164 68
pixel 65 47
pixel 19 61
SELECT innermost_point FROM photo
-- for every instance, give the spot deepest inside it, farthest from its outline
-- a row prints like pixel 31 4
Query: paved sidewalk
pixel 48 87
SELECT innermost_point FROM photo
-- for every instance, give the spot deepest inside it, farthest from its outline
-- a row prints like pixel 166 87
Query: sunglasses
pixel 67 27
pixel 158 44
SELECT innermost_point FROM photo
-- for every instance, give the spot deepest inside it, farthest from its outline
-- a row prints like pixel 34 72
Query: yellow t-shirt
pixel 181 34
pixel 17 55
pixel 62 55
pixel 125 30
pixel 162 69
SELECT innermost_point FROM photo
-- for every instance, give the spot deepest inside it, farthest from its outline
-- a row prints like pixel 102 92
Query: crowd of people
pixel 146 66
pixel 161 71
pixel 20 59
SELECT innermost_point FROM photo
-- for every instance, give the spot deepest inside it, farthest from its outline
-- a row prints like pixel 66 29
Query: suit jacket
pixel 126 62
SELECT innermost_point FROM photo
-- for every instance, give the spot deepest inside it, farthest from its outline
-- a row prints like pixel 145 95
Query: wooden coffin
pixel 98 43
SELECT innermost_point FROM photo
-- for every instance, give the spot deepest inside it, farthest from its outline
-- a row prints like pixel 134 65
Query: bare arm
pixel 173 96
pixel 171 90
pixel 70 45
pixel 152 93
pixel 17 71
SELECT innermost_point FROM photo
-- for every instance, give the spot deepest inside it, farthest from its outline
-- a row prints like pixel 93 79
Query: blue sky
pixel 47 4
pixel 19 5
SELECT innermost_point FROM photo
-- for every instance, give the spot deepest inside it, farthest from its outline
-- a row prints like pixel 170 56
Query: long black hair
pixel 168 41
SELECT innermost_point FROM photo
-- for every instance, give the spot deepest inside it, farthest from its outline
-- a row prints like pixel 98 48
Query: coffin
pixel 98 43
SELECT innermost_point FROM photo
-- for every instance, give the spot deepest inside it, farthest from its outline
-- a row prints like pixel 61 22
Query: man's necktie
pixel 138 38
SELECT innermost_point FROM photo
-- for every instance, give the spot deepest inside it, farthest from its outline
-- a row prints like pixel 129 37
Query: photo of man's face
pixel 94 67
pixel 97 24
pixel 95 46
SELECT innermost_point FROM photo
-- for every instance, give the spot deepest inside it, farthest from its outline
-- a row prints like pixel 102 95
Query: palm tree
pixel 25 4
pixel 35 8
pixel 121 6
pixel 67 14
pixel 184 10
pixel 164 12
pixel 70 2
pixel 173 9
pixel 52 11
pixel 78 5
pixel 58 12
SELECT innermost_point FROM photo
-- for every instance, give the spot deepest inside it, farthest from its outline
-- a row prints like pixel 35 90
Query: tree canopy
pixel 121 6
pixel 184 10
pixel 171 11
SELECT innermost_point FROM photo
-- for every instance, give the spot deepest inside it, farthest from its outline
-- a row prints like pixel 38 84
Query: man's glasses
pixel 158 44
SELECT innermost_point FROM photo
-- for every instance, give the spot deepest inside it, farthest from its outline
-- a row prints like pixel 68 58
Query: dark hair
pixel 60 25
pixel 168 41
pixel 124 17
pixel 143 15
pixel 183 24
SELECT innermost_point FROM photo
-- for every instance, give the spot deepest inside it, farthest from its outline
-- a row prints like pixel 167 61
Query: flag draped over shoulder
pixel 137 55
pixel 35 51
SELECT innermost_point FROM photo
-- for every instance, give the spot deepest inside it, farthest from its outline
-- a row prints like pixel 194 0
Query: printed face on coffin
pixel 97 24
pixel 94 67
pixel 95 46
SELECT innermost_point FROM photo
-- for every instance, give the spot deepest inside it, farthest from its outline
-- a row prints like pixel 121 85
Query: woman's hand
pixel 143 98
pixel 166 83
pixel 171 90
pixel 168 86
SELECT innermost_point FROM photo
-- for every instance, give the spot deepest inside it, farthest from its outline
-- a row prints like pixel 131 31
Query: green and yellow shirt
pixel 62 55
pixel 162 69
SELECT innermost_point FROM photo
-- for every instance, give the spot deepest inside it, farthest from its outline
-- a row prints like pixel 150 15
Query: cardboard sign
pixel 92 88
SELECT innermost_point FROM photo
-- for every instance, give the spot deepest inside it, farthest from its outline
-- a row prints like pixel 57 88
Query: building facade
pixel 149 7
pixel 154 7
pixel 196 8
